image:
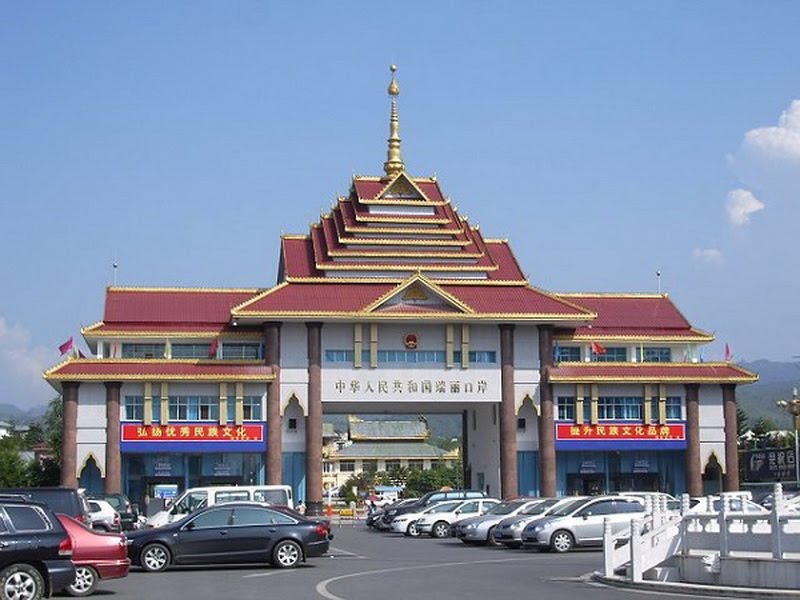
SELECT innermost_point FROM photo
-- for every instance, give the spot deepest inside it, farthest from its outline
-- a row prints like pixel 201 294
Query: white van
pixel 195 498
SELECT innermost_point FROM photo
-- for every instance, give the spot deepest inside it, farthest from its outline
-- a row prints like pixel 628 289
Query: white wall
pixel 484 446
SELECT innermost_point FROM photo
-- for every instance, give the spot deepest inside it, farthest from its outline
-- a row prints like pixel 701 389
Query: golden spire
pixel 394 159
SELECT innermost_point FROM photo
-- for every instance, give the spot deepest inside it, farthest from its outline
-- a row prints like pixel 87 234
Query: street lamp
pixel 793 408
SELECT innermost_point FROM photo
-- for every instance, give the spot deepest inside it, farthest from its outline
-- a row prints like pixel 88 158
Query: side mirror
pixel 189 526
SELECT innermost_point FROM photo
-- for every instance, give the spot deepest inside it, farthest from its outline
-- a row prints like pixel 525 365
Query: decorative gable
pixel 419 294
pixel 402 188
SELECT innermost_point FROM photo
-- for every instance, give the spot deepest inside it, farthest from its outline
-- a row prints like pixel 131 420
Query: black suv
pixel 427 500
pixel 35 551
pixel 62 500
pixel 128 513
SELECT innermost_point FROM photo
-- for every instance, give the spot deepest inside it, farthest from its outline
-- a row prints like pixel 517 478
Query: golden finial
pixel 394 159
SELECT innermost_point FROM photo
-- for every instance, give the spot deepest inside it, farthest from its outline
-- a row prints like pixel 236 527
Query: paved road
pixel 365 565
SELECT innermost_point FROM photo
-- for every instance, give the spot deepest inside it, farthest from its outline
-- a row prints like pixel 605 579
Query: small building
pixel 384 446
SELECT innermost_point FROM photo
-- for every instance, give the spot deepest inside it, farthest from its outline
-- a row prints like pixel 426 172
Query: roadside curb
pixel 694 589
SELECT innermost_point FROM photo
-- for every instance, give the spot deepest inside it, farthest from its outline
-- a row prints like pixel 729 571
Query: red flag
pixel 212 349
pixel 728 353
pixel 597 348
pixel 65 347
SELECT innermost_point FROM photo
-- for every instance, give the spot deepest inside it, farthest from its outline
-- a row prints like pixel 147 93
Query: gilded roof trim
pixel 331 266
pixel 161 333
pixel 401 254
pixel 390 280
pixel 263 294
pixel 187 290
pixel 426 283
pixel 390 183
pixel 458 317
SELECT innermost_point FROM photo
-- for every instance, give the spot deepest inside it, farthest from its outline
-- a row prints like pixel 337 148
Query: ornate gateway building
pixel 395 303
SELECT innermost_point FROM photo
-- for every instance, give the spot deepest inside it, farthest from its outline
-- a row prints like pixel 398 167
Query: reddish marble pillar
pixel 547 427
pixel 730 481
pixel 69 441
pixel 113 482
pixel 508 422
pixel 694 470
pixel 314 421
pixel 272 355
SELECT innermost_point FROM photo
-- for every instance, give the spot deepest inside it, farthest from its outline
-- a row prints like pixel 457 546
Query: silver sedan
pixel 480 529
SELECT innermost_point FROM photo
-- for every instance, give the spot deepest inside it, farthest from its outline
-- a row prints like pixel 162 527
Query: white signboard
pixel 396 385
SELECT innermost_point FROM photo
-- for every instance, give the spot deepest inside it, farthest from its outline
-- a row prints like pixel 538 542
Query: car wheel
pixel 490 541
pixel 440 529
pixel 85 581
pixel 412 529
pixel 287 554
pixel 21 582
pixel 155 558
pixel 562 541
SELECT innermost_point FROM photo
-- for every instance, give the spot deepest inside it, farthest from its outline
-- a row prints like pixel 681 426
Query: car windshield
pixel 505 508
pixel 540 507
pixel 569 507
pixel 444 507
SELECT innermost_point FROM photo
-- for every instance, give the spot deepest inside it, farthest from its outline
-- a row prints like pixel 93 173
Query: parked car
pixel 103 516
pixel 233 532
pixel 406 523
pixel 582 523
pixel 480 529
pixel 128 512
pixel 509 531
pixel 656 498
pixel 95 555
pixel 437 522
pixel 713 504
pixel 63 501
pixel 35 551
pixel 376 521
pixel 428 499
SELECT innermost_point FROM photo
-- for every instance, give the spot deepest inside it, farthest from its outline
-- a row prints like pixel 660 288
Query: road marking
pixel 322 586
pixel 335 552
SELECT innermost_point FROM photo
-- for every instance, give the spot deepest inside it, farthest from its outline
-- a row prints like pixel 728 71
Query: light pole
pixel 793 408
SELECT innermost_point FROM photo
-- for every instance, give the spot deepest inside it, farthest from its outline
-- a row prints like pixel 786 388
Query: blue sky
pixel 607 141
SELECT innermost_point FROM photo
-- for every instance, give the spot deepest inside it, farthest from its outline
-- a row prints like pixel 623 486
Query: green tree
pixel 14 470
pixel 420 482
pixel 741 421
pixel 52 426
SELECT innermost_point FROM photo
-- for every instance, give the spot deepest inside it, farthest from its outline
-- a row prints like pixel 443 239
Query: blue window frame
pixel 193 408
pixel 134 408
pixel 612 355
pixel 565 406
pixel 619 408
pixel 567 353
pixel 242 351
pixel 653 354
pixel 251 408
pixel 143 350
pixel 190 350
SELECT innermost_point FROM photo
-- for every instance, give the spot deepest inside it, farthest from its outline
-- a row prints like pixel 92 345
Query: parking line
pixel 322 586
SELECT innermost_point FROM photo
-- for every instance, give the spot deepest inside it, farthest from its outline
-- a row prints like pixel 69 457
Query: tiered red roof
pixel 158 370
pixel 594 372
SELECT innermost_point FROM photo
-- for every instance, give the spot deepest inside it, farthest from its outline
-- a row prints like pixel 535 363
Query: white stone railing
pixel 658 536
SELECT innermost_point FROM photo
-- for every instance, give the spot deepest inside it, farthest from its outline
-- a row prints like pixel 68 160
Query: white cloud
pixel 740 205
pixel 779 143
pixel 21 367
pixel 710 256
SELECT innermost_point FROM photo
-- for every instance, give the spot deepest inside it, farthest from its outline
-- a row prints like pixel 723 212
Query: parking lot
pixel 364 564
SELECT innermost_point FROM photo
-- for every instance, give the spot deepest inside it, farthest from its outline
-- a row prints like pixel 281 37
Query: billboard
pixel 770 465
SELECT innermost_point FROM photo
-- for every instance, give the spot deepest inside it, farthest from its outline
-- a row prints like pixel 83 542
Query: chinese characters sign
pixel 194 437
pixel 399 385
pixel 610 436
pixel 770 464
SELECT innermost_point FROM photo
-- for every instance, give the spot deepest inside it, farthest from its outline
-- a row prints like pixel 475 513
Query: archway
pixel 712 476
pixel 91 478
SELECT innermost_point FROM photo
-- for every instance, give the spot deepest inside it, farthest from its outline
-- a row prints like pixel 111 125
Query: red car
pixel 95 555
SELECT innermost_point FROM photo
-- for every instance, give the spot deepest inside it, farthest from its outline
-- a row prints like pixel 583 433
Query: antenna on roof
pixel 658 279
pixel 115 265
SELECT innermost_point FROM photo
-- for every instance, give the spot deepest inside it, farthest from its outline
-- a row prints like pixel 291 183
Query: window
pixel 415 465
pixel 392 464
pixel 193 408
pixel 673 408
pixel 604 507
pixel 142 350
pixel 212 518
pixel 244 517
pixel 370 466
pixel 347 466
pixel 521 424
pixel 251 408
pixel 621 408
pixel 27 518
pixel 654 354
pixel 611 355
pixel 221 497
pixel 413 357
pixel 134 408
pixel 470 507
pixel 251 351
pixel 292 424
pixel 477 356
pixel 277 496
pixel 566 408
pixel 567 354
pixel 190 350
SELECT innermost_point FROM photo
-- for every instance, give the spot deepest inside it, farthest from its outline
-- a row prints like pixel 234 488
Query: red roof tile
pixel 514 300
pixel 602 333
pixel 153 370
pixel 650 372
pixel 131 305
pixel 298 258
pixel 209 329
pixel 631 311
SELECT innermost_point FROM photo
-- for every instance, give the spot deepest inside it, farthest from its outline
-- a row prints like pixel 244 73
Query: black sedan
pixel 235 532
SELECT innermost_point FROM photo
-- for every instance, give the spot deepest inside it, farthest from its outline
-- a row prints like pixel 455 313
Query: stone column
pixel 730 481
pixel 508 422
pixel 69 441
pixel 314 421
pixel 272 355
pixel 113 482
pixel 547 431
pixel 694 470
